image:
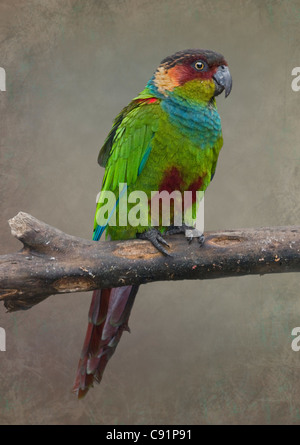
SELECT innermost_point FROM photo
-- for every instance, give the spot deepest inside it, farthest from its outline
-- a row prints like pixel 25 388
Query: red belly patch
pixel 195 186
pixel 172 180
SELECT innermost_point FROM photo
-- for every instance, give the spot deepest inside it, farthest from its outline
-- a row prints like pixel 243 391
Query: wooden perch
pixel 52 262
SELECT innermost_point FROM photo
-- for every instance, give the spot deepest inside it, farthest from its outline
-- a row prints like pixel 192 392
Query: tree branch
pixel 52 262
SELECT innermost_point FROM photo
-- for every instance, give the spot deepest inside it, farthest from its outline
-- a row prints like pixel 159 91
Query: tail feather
pixel 108 318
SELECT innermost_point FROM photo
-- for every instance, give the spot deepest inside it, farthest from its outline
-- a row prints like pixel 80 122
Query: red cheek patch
pixel 185 73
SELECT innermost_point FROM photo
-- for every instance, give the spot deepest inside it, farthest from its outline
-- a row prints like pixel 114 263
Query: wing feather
pixel 128 145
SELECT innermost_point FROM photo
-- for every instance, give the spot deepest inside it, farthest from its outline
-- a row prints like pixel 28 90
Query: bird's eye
pixel 199 65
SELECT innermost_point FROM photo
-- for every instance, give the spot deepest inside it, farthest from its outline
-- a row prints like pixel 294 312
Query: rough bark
pixel 52 262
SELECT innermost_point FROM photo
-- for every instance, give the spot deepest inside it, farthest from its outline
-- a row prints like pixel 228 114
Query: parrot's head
pixel 193 74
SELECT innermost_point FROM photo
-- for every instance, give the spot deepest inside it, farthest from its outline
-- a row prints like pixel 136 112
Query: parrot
pixel 167 138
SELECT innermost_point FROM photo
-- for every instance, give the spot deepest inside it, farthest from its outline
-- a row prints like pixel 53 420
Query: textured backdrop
pixel 212 352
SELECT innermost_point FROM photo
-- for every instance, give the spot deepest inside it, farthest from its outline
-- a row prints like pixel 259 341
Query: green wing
pixel 127 147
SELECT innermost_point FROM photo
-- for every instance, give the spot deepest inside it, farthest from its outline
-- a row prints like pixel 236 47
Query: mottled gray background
pixel 212 352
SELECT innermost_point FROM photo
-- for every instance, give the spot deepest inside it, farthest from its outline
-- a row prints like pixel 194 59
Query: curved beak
pixel 223 80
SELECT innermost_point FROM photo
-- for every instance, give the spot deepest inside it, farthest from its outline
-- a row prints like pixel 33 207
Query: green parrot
pixel 167 139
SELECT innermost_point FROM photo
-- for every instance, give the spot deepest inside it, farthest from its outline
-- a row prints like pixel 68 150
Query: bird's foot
pixel 189 231
pixel 195 233
pixel 174 230
pixel 154 236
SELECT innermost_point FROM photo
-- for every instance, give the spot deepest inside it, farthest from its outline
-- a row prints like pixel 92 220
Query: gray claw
pixel 174 230
pixel 162 240
pixel 154 236
pixel 191 234
pixel 201 240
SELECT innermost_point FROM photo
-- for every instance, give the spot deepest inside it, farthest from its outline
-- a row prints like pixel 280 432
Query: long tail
pixel 108 318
